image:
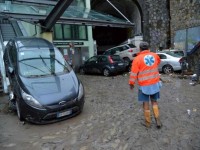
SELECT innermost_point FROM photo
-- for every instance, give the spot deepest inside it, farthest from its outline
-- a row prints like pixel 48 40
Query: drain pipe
pixel 119 11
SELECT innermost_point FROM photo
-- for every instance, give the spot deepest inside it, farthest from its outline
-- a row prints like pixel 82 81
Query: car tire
pixel 19 114
pixel 126 60
pixel 106 72
pixel 82 71
pixel 12 105
pixel 167 69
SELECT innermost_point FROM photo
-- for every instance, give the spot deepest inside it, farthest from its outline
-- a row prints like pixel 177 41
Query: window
pixel 58 33
pixel 162 56
pixel 132 46
pixel 70 32
pixel 34 62
pixel 113 51
pixel 67 31
pixel 93 59
pixel 102 59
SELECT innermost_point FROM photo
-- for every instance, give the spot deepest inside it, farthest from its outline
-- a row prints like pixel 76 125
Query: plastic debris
pixel 194 77
pixel 193 83
pixel 194 110
pixel 189 112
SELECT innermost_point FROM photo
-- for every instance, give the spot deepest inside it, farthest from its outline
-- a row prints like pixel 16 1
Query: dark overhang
pixel 34 18
pixel 72 15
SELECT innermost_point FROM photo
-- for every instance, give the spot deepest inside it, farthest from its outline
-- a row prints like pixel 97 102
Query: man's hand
pixel 131 86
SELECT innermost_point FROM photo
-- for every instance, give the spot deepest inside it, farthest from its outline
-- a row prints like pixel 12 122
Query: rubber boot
pixel 147 117
pixel 156 115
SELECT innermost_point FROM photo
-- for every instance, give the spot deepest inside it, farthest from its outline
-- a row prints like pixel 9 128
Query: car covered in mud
pixel 43 86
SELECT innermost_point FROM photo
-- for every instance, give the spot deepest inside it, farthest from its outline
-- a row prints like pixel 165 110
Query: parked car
pixel 174 51
pixel 125 51
pixel 44 88
pixel 103 64
pixel 169 62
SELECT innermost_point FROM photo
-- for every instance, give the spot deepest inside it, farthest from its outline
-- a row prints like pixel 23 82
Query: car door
pixel 101 63
pixel 163 61
pixel 123 50
pixel 90 64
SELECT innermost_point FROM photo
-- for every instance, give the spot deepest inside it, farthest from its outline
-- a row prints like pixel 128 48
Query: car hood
pixel 52 89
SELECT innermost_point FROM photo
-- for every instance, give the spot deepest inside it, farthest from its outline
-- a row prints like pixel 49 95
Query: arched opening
pixel 107 37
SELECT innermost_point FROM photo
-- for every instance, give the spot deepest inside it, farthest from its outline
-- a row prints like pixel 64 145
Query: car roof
pixel 172 50
pixel 120 46
pixel 32 42
pixel 106 55
pixel 174 55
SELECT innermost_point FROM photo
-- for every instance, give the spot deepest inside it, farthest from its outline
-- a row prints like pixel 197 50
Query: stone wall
pixel 184 14
pixel 163 18
pixel 156 25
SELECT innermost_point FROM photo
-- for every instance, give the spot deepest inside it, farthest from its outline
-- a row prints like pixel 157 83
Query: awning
pixel 73 15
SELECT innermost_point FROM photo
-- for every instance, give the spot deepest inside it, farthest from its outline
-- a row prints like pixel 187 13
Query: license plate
pixel 120 64
pixel 65 113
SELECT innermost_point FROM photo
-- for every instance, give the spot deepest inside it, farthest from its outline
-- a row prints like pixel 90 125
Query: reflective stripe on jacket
pixel 145 68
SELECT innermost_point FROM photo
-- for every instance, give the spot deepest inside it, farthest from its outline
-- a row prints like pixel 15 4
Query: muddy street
pixel 112 120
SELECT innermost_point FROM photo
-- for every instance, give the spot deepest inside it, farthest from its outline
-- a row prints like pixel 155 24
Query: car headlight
pixel 80 92
pixel 31 101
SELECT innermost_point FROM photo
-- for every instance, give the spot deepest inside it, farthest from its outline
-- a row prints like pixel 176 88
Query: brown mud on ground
pixel 111 120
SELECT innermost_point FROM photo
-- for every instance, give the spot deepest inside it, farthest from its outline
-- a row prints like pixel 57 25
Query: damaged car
pixel 43 86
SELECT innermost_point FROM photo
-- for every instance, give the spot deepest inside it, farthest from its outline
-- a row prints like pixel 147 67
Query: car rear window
pixel 132 46
pixel 115 57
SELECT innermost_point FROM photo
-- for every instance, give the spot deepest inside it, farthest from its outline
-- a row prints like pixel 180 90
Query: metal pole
pixel 118 11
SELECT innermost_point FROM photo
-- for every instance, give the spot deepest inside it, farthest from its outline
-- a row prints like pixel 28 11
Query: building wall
pixel 156 23
pixel 184 14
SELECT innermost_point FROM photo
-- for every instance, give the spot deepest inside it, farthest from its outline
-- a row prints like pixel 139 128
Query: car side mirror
pixel 10 70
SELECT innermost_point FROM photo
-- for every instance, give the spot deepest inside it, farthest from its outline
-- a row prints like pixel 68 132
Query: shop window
pixel 58 34
pixel 67 31
pixel 70 32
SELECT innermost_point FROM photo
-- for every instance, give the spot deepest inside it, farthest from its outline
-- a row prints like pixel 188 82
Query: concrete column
pixel 48 36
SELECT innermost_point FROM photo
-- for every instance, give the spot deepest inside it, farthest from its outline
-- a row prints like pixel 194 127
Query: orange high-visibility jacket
pixel 145 69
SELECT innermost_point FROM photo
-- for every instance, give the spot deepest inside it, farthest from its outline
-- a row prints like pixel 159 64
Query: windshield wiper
pixel 50 70
pixel 62 65
pixel 32 66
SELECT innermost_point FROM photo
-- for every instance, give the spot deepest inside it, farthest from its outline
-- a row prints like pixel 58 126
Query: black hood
pixel 52 89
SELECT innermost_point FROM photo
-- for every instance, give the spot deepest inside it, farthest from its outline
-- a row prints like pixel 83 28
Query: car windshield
pixel 172 54
pixel 41 62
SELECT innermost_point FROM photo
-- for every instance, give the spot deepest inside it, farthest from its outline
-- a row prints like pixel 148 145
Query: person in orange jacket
pixel 144 69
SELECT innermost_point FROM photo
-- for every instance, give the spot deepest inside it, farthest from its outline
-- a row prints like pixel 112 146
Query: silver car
pixel 169 62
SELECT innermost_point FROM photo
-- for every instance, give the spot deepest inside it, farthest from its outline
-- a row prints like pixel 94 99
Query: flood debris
pixel 194 80
pixel 189 112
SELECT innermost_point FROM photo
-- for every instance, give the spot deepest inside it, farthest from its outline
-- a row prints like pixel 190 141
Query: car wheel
pixel 19 115
pixel 12 105
pixel 106 72
pixel 167 69
pixel 82 71
pixel 129 68
pixel 126 60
